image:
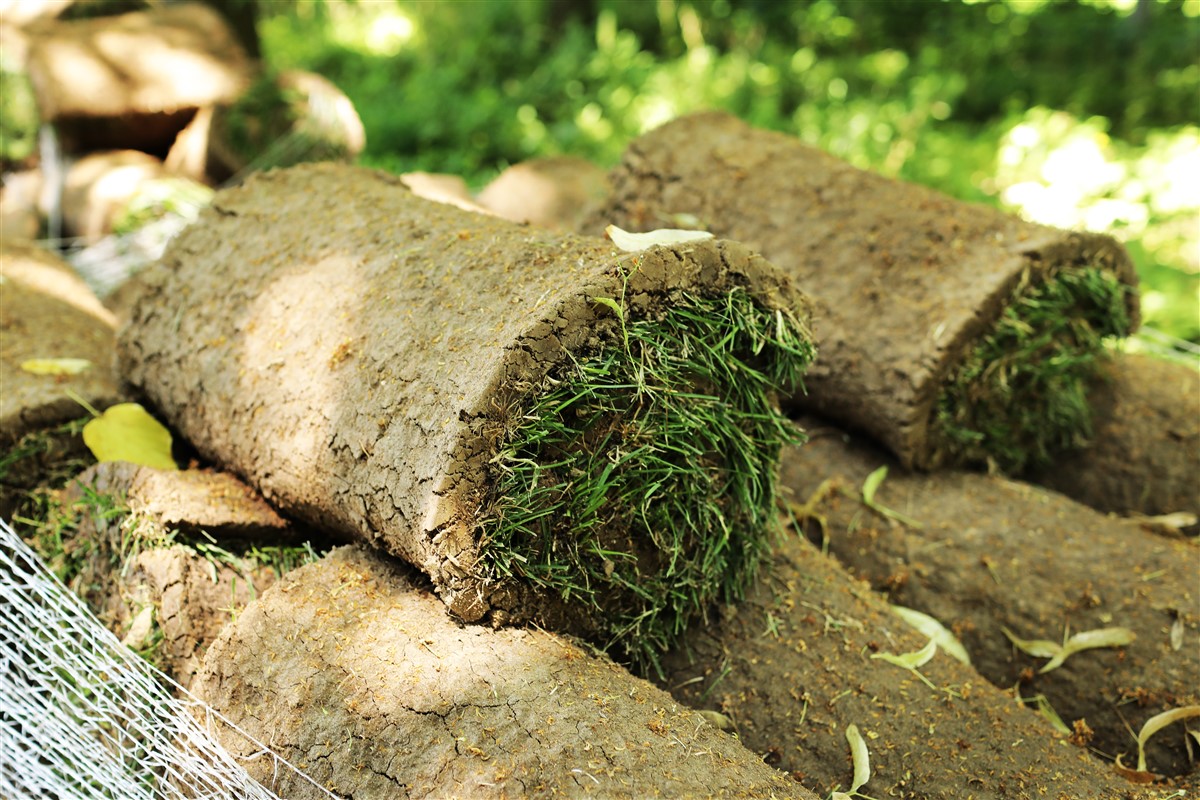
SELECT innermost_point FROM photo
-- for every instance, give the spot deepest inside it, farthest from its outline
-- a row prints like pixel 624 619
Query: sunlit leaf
pixel 613 304
pixel 632 242
pixel 1038 648
pixel 1090 640
pixel 1157 723
pixel 56 366
pixel 913 660
pixel 935 630
pixel 870 486
pixel 716 719
pixel 860 756
pixel 127 432
pixel 1050 715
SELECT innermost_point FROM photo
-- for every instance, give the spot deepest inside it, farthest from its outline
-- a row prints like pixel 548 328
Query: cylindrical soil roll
pixel 951 332
pixel 992 555
pixel 801 659
pixel 1145 453
pixel 552 430
pixel 360 679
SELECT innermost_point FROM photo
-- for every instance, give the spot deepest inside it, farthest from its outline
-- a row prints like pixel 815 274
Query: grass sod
pixel 641 480
pixel 1020 395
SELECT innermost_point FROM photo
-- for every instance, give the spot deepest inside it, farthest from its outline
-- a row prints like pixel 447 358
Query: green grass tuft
pixel 640 481
pixel 1020 396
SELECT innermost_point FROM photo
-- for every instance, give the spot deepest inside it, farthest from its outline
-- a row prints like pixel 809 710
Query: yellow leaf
pixel 632 242
pixel 935 630
pixel 913 660
pixel 1157 723
pixel 127 432
pixel 860 757
pixel 56 366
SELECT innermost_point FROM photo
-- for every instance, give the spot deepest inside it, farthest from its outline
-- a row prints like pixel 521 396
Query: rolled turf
pixel 951 332
pixel 354 673
pixel 993 554
pixel 551 429
pixel 1144 457
pixel 802 659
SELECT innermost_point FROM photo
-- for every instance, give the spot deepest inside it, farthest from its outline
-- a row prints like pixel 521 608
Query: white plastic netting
pixel 82 716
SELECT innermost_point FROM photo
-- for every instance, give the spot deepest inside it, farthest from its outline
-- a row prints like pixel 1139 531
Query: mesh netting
pixel 82 716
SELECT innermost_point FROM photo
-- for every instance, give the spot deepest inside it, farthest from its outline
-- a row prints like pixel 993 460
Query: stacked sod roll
pixel 551 429
pixel 1145 453
pixel 984 555
pixel 952 333
pixel 351 656
pixel 806 656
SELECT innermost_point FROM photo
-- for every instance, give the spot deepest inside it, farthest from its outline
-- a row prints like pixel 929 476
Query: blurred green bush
pixel 1079 113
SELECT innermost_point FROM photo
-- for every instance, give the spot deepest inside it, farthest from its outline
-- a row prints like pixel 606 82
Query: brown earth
pixel 356 353
pixel 993 554
pixel 1145 452
pixel 357 675
pixel 904 279
pixel 47 311
pixel 793 667
pixel 134 80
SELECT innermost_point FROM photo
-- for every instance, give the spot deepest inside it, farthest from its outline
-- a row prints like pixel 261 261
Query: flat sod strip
pixel 800 660
pixel 992 554
pixel 952 333
pixel 1144 457
pixel 355 674
pixel 552 430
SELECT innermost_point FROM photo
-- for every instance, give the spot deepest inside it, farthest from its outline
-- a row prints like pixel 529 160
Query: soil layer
pixel 357 676
pixel 798 662
pixel 363 357
pixel 993 554
pixel 906 281
pixel 1145 451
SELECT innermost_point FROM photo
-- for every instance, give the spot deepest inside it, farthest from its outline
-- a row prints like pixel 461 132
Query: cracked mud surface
pixel 360 678
pixel 356 352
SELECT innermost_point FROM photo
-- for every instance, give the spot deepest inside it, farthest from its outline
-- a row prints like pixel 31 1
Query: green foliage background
pixel 1079 113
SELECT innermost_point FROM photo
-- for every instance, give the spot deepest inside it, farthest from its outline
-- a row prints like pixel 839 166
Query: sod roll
pixel 992 554
pixel 804 657
pixel 952 333
pixel 551 429
pixel 1144 456
pixel 355 674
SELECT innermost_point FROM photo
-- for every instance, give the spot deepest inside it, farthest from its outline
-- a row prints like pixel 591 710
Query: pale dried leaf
pixel 935 630
pixel 716 719
pixel 1090 640
pixel 1050 715
pixel 633 242
pixel 56 366
pixel 872 483
pixel 1038 648
pixel 1157 723
pixel 860 756
pixel 870 486
pixel 913 660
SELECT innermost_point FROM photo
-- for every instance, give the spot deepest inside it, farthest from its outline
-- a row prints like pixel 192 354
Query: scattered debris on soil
pixel 813 650
pixel 992 555
pixel 1144 456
